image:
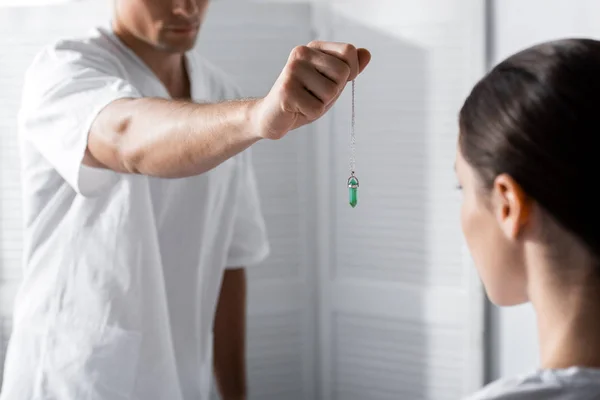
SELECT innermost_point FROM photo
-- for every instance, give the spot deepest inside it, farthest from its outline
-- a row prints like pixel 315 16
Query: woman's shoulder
pixel 558 384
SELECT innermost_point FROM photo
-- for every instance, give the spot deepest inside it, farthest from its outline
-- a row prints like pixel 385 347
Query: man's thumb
pixel 364 57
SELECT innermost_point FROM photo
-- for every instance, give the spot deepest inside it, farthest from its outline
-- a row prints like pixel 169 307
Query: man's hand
pixel 312 80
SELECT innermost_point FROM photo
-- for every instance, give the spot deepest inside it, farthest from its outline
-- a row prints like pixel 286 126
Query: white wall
pixel 517 24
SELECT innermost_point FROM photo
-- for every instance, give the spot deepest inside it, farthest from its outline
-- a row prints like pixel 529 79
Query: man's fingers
pixel 309 105
pixel 345 52
pixel 299 99
pixel 330 66
pixel 314 81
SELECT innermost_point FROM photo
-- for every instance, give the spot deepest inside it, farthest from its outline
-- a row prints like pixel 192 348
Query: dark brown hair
pixel 536 117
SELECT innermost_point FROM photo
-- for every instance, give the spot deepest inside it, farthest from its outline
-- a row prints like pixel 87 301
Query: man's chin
pixel 178 43
pixel 178 47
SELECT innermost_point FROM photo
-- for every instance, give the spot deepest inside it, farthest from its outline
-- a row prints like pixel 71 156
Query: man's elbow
pixel 111 144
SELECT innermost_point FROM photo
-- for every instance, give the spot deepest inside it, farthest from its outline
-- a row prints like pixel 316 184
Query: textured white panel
pixel 35 30
pixel 252 44
pixel 381 359
pixel 450 85
pixel 425 305
pixel 406 226
pixel 252 47
pixel 5 329
pixel 397 320
pixel 10 209
pixel 403 236
pixel 276 357
pixel 279 167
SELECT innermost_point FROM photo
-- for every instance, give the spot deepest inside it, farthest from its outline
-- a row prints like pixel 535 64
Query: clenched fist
pixel 312 80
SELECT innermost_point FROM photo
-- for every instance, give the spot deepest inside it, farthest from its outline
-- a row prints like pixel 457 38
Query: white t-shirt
pixel 122 272
pixel 558 384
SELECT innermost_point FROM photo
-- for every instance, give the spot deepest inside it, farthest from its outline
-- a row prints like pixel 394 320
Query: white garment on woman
pixel 558 384
pixel 122 272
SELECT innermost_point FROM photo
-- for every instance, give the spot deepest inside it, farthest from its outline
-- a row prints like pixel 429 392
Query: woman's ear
pixel 511 206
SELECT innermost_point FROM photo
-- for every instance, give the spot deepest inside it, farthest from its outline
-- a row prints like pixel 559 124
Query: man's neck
pixel 169 68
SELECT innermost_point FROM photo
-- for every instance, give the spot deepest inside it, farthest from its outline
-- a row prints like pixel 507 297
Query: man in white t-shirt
pixel 141 207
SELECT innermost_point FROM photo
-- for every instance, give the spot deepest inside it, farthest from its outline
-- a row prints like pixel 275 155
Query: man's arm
pixel 229 345
pixel 170 139
pixel 175 139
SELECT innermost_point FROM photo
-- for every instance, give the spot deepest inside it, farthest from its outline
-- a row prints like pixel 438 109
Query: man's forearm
pixel 170 139
pixel 230 336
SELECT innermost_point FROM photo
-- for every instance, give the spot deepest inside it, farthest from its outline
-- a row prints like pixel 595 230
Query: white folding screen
pixel 376 302
pixel 400 305
pixel 22 33
pixel 281 327
pixel 252 42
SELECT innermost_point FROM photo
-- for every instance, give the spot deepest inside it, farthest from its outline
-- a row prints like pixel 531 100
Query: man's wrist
pixel 252 119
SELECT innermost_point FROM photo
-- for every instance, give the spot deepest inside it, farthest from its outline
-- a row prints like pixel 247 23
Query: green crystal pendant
pixel 353 190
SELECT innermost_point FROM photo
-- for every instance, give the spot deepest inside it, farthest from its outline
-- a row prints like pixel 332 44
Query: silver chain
pixel 352 137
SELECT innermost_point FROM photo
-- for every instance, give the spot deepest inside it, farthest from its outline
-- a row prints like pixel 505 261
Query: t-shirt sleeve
pixel 65 88
pixel 524 387
pixel 249 244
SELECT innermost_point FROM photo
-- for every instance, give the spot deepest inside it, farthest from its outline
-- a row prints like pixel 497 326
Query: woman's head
pixel 528 159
